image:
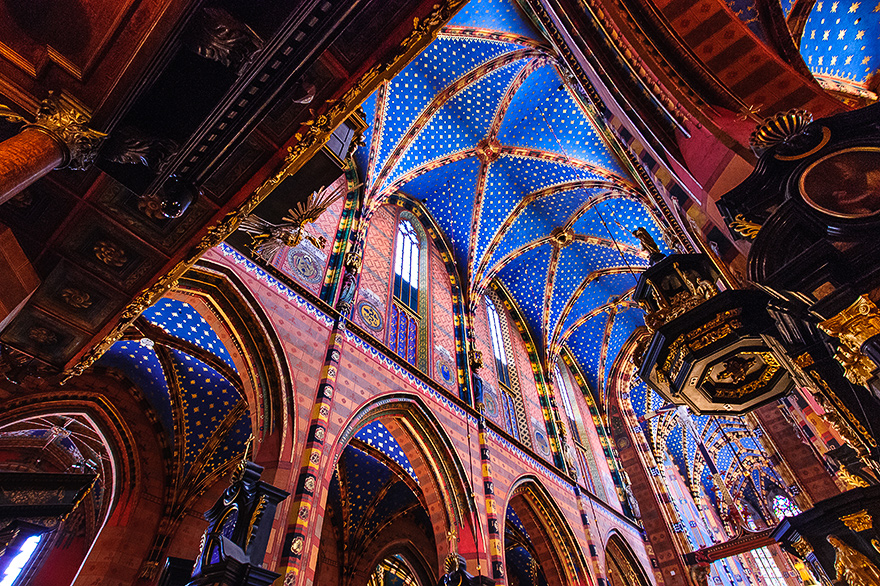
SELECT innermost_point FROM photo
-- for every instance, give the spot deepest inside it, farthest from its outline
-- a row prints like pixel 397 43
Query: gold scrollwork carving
pixel 850 479
pixel 772 367
pixel 841 419
pixel 712 331
pixel 256 517
pixel 854 326
pixel 10 115
pixel 744 227
pixel 319 130
pixel 804 360
pixel 68 125
pixel 802 548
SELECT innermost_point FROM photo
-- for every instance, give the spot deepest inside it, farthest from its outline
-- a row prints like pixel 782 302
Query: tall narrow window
pixel 498 343
pixel 767 566
pixel 585 455
pixel 567 406
pixel 406 266
pixel 21 556
pixel 403 323
pixel 508 401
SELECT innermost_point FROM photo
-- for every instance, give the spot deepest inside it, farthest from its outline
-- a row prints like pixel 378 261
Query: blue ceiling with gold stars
pixel 840 44
pixel 483 129
pixel 734 448
pixel 522 567
pixel 202 412
pixel 376 435
pixel 367 494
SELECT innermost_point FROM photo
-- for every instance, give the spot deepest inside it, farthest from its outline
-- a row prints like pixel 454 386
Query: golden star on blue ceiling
pixel 484 131
pixel 840 44
pixel 188 395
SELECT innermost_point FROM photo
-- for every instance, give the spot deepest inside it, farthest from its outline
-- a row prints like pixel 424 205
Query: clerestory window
pixel 501 365
pixel 404 318
pixel 406 266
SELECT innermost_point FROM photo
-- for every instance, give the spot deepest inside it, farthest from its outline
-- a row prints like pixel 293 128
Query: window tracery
pixel 512 410
pixel 783 507
pixel 767 567
pixel 405 326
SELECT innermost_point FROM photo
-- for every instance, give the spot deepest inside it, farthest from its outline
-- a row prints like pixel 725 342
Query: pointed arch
pixel 441 98
pixel 224 301
pixel 444 485
pixel 140 454
pixel 436 235
pixel 554 544
pixel 621 565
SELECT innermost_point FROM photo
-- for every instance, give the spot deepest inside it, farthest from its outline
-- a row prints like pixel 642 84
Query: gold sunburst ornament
pixel 779 128
pixel 268 238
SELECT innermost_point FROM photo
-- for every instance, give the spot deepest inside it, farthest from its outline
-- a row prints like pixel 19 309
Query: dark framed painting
pixel 844 184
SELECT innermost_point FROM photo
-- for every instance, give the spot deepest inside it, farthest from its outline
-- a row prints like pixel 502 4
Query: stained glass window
pixel 406 265
pixel 508 412
pixel 783 507
pixel 497 343
pixel 403 325
pixel 403 334
pixel 767 567
pixel 566 404
pixel 20 561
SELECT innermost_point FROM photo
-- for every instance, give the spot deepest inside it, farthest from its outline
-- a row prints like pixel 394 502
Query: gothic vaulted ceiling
pixel 486 132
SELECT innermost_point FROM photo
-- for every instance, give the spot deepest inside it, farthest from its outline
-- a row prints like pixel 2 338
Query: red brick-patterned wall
pixel 365 377
pixel 375 283
pixel 528 388
pixel 442 321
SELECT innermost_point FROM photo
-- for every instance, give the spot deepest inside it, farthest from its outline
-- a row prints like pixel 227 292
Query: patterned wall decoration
pixel 370 316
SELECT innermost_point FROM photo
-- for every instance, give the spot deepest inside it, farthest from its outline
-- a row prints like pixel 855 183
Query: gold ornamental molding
pixel 308 143
pixel 802 548
pixel 850 479
pixel 854 326
pixel 745 228
pixel 66 122
pixel 860 521
pixel 779 128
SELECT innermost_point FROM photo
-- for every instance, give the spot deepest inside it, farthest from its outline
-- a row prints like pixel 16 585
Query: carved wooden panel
pixel 71 33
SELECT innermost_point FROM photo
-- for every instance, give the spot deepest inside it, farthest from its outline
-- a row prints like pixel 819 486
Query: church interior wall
pixel 532 154
pixel 365 375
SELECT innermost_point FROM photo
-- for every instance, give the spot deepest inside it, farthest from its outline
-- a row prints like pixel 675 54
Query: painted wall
pixel 365 374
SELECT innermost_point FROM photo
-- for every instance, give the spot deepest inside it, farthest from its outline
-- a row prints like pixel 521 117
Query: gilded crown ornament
pixel 779 129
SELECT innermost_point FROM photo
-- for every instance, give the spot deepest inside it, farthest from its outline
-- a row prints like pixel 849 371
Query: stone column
pixel 58 138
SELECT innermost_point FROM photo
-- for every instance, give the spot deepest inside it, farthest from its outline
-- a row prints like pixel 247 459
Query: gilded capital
pixel 802 547
pixel 352 261
pixel 68 125
pixel 860 521
pixel 854 326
